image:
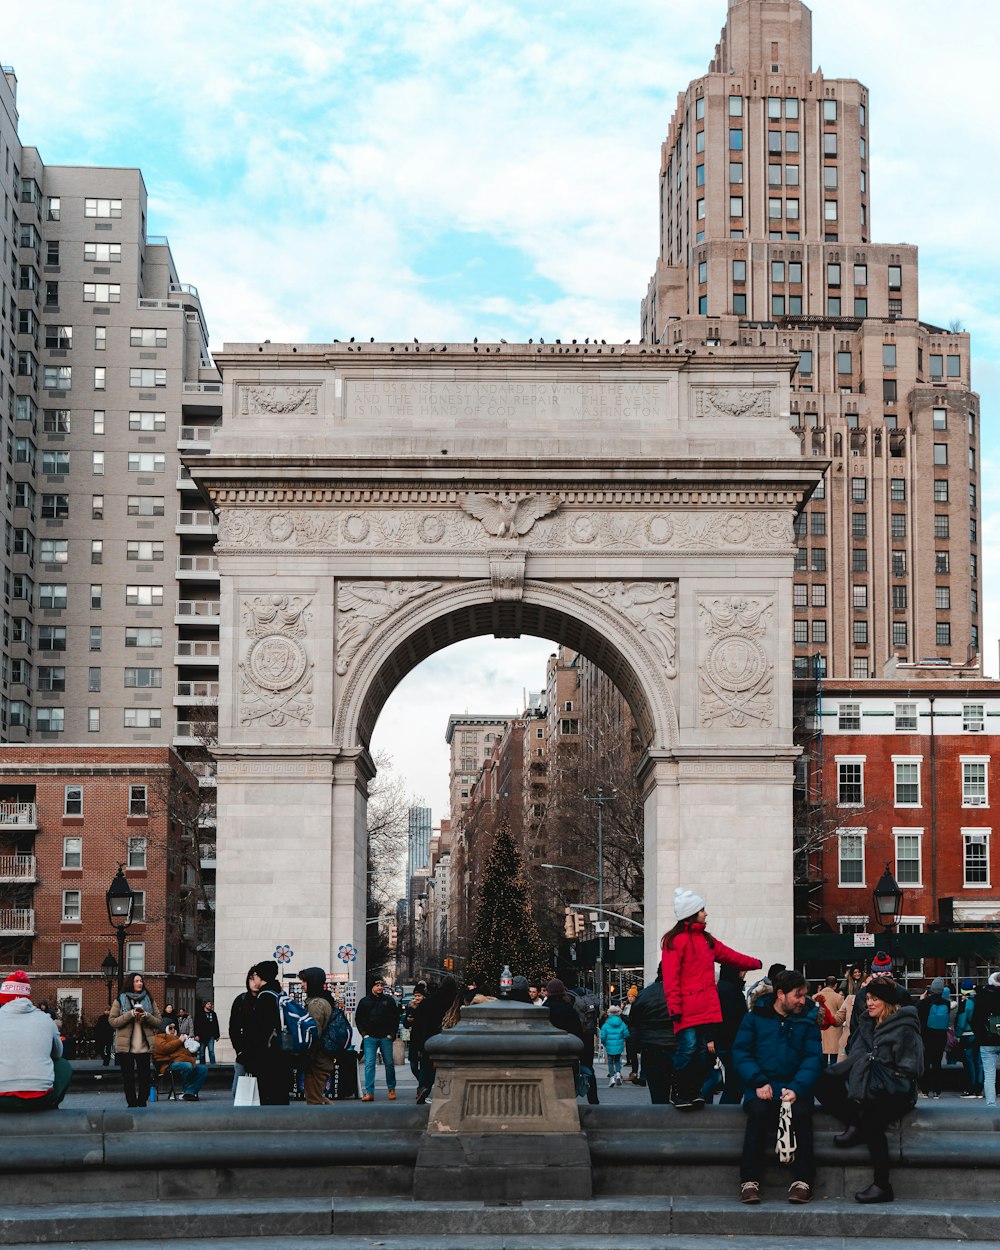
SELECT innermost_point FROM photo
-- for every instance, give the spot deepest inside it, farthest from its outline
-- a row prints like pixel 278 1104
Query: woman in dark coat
pixel 887 1044
pixel 428 1021
pixel 262 1053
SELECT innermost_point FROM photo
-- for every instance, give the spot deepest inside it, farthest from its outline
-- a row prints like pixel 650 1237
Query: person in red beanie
pixel 33 1074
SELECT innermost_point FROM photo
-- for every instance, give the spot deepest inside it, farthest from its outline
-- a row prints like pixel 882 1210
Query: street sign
pixel 611 942
pixel 864 939
pixel 602 926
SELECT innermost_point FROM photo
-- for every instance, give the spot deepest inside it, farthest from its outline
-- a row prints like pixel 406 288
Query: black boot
pixel 875 1193
pixel 851 1136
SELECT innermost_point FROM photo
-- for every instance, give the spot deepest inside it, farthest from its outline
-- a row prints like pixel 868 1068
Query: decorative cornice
pixel 751 496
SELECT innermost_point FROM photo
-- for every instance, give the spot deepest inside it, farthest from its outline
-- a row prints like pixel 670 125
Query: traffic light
pixel 449 963
pixel 580 921
pixel 569 928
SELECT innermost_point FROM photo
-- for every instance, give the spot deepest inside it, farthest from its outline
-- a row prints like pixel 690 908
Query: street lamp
pixel 600 798
pixel 109 967
pixel 121 904
pixel 887 899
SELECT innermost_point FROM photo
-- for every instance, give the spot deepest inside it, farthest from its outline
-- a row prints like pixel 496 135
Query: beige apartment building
pixel 111 588
pixel 766 239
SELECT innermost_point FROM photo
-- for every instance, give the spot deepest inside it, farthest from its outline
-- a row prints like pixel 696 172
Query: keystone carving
pixel 650 606
pixel 505 516
pixel 732 401
pixel 361 606
pixel 276 672
pixel 263 400
pixel 736 674
pixel 507 575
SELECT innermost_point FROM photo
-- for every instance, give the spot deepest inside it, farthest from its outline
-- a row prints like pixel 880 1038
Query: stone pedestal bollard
pixel 504 1122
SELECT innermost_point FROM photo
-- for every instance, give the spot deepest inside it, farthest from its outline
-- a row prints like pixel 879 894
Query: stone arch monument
pixel 378 502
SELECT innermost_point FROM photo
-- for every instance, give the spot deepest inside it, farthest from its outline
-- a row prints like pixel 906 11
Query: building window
pixel 137 797
pixel 777 305
pixel 55 507
pixel 739 305
pixel 819 631
pixel 137 853
pixel 93 720
pixel 860 307
pixel 145 505
pixel 830 177
pixel 942 598
pixel 143 678
pixel 71 907
pixel 859 559
pixel 57 377
pixel 897 490
pixel 818 562
pixel 942 562
pixel 937 366
pixel 819 595
pixel 146 462
pixel 895 278
pixel 102 293
pixel 73 800
pixel 899 634
pixel 940 453
pixel 774 209
pixel 860 633
pixel 833 306
pixel 147 336
pixel 144 549
pixel 144 596
pixel 976 857
pixel 851 856
pixel 95 637
pixel 102 253
pixel 898 525
pixel 97 464
pixel 102 208
pixel 51 678
pixel 859 489
pixel 55 462
pixel 142 717
pixel 700 210
pixel 800 595
pixel 149 636
pixel 735 171
pixel 100 378
pixel 135 956
pixel 70 957
pixel 899 598
pixel 907 782
pixel 800 632
pixel 972 717
pixel 54 550
pixel 859 666
pixel 850 783
pixel 736 139
pixel 859 524
pixel 147 378
pixel 849 718
pixel 908 867
pixel 817 522
pixel 93 681
pixel 56 420
pixel 50 719
pixel 942 634
pixel 72 853
pixel 974 791
pixel 97 507
pixel 859 596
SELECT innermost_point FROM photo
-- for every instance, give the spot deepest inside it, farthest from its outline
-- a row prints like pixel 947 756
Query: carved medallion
pixel 276 672
pixel 735 678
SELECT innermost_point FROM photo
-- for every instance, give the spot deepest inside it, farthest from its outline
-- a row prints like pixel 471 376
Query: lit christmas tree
pixel 504 928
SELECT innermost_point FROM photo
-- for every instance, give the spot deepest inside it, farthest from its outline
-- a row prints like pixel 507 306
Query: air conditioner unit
pixel 975 800
pixel 975 727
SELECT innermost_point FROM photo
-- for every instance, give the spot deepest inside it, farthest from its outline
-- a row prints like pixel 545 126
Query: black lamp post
pixel 121 903
pixel 109 967
pixel 887 898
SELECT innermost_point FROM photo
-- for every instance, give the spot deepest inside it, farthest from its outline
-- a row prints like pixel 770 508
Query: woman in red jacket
pixel 690 954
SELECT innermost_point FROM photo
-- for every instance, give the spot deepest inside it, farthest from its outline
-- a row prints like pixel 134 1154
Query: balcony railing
pixel 17 868
pixel 200 520
pixel 198 607
pixel 194 651
pixel 197 564
pixel 201 690
pixel 23 814
pixel 17 921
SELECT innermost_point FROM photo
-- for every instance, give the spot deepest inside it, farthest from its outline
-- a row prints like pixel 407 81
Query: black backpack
pixel 585 1006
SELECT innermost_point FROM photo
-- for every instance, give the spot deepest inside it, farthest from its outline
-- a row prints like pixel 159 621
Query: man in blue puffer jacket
pixel 778 1055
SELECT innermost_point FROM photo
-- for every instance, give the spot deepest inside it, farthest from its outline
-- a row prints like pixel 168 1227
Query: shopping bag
pixel 247 1094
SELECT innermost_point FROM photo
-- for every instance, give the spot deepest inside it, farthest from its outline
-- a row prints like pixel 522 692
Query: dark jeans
pixel 762 1130
pixel 871 1117
pixel 658 1072
pixel 935 1041
pixel 973 1061
pixel 690 1062
pixel 733 1089
pixel 135 1078
pixel 274 1077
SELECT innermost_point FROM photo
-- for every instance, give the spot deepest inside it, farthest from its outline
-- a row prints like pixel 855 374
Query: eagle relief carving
pixel 507 516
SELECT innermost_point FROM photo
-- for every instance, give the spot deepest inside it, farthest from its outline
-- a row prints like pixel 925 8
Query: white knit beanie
pixel 686 903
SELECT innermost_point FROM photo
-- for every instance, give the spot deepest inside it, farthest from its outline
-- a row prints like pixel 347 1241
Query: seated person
pixel 170 1053
pixel 33 1074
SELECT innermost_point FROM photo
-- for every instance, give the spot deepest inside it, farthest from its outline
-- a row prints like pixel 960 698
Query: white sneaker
pixel 618 1079
pixel 611 1083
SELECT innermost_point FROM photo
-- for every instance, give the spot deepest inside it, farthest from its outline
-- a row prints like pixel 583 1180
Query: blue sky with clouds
pixel 445 168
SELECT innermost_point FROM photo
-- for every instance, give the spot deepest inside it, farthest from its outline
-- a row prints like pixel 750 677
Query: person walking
pixel 104 1037
pixel 876 1084
pixel 135 1021
pixel 652 1028
pixel 966 1041
pixel 832 1001
pixel 206 1027
pixel 320 1063
pixel 690 954
pixel 779 1057
pixel 614 1035
pixel 34 1076
pixel 172 1053
pixel 934 1012
pixel 377 1018
pixel 262 1054
pixel 986 1027
pixel 440 1010
pixel 631 1053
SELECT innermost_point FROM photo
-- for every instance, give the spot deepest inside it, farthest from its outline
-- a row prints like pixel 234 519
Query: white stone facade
pixel 375 507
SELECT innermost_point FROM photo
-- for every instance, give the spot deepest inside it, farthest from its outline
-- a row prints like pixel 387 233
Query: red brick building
pixel 904 773
pixel 68 816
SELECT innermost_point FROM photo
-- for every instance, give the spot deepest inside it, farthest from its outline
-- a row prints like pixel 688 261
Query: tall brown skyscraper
pixel 765 238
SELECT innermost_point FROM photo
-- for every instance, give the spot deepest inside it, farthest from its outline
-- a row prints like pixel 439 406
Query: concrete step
pixel 436 1241
pixel 347 1222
